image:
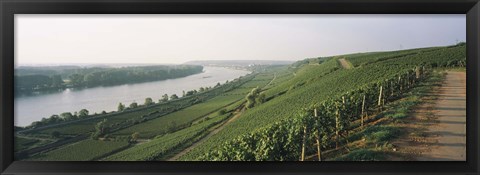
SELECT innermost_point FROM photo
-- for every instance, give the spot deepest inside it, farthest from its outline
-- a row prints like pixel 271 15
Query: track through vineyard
pixel 345 64
pixel 450 112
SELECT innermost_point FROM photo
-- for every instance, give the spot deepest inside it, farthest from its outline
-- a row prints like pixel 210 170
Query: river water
pixel 33 108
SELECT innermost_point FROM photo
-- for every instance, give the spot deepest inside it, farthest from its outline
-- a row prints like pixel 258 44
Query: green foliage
pixel 120 107
pixel 24 143
pixel 148 101
pixel 395 76
pixel 164 98
pixel 174 97
pixel 253 98
pixel 379 134
pixel 82 151
pixel 162 145
pixel 222 111
pixel 34 79
pixel 134 137
pixel 83 113
pixel 101 129
pixel 363 155
pixel 273 130
pixel 133 105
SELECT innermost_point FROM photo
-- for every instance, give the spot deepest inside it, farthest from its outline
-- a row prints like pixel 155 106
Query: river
pixel 33 108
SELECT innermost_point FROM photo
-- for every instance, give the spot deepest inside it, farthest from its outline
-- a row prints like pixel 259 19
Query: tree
pixel 218 85
pixel 201 89
pixel 190 93
pixel 222 111
pixel 83 113
pixel 250 101
pixel 134 105
pixel 252 98
pixel 183 94
pixel 101 129
pixel 164 98
pixel 135 137
pixel 55 119
pixel 260 98
pixel 67 116
pixel 174 96
pixel 148 101
pixel 120 107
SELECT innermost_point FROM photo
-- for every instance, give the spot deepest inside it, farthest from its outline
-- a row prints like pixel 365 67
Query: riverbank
pixel 96 100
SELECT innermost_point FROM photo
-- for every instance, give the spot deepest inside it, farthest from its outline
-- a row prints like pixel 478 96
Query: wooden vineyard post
pixel 345 107
pixel 423 71
pixel 408 81
pixel 363 109
pixel 400 82
pixel 418 72
pixel 392 88
pixel 337 123
pixel 385 94
pixel 380 98
pixel 319 151
pixel 304 141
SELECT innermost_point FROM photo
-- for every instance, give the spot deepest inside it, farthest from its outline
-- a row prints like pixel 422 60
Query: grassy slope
pixel 320 82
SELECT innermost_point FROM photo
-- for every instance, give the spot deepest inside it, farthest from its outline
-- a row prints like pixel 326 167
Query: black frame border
pixel 10 7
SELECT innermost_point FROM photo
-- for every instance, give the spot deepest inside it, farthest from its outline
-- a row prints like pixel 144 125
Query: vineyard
pixel 309 108
pixel 164 144
pixel 82 151
pixel 319 83
pixel 322 123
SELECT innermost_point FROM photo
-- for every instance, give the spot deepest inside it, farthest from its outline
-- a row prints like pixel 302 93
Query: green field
pixel 82 151
pixel 161 145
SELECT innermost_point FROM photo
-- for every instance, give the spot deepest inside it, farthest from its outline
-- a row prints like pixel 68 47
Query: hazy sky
pixel 179 38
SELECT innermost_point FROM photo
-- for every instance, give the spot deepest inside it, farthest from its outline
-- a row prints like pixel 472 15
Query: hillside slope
pixel 314 83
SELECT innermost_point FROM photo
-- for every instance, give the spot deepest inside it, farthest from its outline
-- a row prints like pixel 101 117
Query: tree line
pixel 92 77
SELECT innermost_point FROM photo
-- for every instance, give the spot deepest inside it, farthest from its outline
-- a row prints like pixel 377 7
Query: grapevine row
pixel 319 124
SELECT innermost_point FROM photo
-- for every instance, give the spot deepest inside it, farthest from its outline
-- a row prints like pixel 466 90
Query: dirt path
pixel 213 132
pixel 450 113
pixel 345 64
pixel 436 131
